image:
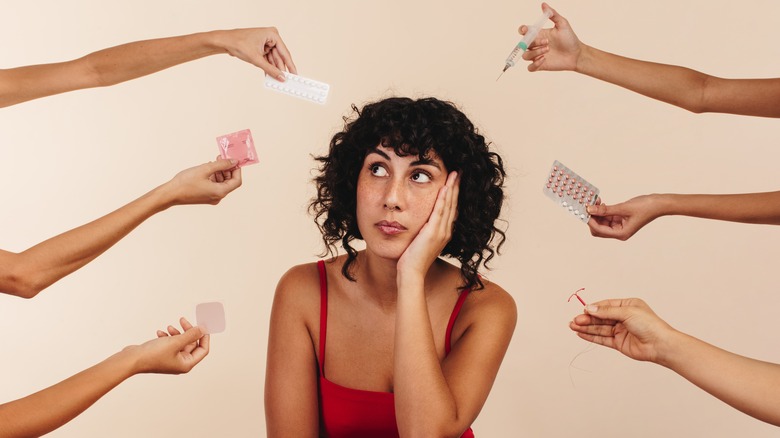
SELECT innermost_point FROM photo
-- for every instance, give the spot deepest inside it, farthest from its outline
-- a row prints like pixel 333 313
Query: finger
pixel 595 330
pixel 584 319
pixel 536 52
pixel 602 210
pixel 455 197
pixel 284 53
pixel 233 182
pixel 267 65
pixel 161 334
pixel 620 312
pixel 219 166
pixel 278 61
pixel 185 324
pixel 601 340
pixel 189 337
pixel 537 64
pixel 605 229
pixel 202 351
pixel 556 18
pixel 218 177
pixel 452 208
pixel 522 30
pixel 173 330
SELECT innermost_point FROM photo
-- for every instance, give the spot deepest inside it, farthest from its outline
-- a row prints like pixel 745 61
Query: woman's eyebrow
pixel 426 161
pixel 379 152
pixel 421 161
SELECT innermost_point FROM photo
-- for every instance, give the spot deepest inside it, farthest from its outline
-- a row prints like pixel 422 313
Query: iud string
pixel 586 349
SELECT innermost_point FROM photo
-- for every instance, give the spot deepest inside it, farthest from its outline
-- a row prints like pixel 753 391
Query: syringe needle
pixel 499 76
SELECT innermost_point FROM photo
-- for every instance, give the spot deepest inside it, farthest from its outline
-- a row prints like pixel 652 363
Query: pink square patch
pixel 238 146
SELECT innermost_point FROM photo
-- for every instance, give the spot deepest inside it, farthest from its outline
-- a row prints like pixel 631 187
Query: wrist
pixel 127 362
pixel 664 204
pixel 583 59
pixel 162 198
pixel 671 347
pixel 409 280
pixel 216 40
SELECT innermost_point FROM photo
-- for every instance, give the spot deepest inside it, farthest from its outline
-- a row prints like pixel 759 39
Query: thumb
pixel 220 165
pixel 603 210
pixel 555 17
pixel 606 310
pixel 188 337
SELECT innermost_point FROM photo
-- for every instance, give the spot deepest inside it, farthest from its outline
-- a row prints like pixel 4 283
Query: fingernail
pixel 280 77
pixel 589 209
pixel 590 308
pixel 233 161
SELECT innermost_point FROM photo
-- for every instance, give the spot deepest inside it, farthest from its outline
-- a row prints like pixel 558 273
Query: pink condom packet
pixel 210 317
pixel 238 146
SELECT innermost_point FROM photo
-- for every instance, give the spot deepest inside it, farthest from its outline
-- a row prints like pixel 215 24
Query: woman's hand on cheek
pixel 435 234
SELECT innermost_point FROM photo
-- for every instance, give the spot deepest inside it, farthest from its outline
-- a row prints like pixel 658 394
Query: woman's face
pixel 395 197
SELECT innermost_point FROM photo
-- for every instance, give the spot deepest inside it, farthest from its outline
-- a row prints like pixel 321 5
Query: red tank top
pixel 354 413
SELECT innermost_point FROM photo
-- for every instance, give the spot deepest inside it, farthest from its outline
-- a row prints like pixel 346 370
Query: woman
pixel 413 342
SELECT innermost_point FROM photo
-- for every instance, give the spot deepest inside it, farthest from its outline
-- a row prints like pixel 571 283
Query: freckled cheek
pixel 424 206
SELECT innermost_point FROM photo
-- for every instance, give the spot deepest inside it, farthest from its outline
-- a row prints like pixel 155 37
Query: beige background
pixel 71 158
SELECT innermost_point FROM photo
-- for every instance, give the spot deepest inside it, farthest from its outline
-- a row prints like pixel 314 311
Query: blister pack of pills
pixel 238 146
pixel 298 86
pixel 570 191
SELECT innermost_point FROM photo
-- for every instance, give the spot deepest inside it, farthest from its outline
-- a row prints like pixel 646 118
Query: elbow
pixel 22 285
pixel 698 103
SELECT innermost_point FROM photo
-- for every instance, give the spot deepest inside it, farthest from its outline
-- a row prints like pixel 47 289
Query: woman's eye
pixel 421 177
pixel 378 170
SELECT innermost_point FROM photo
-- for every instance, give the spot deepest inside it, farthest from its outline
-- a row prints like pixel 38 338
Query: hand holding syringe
pixel 528 38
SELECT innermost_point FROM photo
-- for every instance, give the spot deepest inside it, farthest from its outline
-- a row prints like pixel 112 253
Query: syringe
pixel 528 38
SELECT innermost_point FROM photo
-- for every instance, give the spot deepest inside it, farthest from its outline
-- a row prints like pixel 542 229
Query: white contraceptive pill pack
pixel 570 191
pixel 298 86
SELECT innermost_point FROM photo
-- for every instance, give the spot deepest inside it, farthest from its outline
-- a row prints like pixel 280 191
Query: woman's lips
pixel 390 228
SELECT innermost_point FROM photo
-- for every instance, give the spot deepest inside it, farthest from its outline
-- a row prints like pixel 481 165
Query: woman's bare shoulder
pixel 491 303
pixel 299 288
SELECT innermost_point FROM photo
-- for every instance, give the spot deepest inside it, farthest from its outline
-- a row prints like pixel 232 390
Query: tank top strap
pixel 453 317
pixel 323 313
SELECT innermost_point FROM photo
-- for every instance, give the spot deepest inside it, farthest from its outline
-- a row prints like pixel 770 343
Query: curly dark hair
pixel 414 127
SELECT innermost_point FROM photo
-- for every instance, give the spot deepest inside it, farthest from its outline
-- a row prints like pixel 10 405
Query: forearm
pixel 680 86
pixel 672 84
pixel 133 60
pixel 105 67
pixel 424 404
pixel 754 208
pixel 45 263
pixel 46 410
pixel 748 385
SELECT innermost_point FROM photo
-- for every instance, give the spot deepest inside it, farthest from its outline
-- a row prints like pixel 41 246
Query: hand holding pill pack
pixel 570 191
pixel 298 86
pixel 238 146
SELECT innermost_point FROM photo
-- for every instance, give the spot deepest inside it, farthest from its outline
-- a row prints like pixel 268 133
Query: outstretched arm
pixel 559 49
pixel 621 221
pixel 262 47
pixel 27 273
pixel 46 410
pixel 632 328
